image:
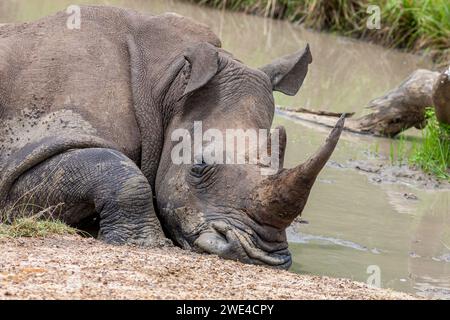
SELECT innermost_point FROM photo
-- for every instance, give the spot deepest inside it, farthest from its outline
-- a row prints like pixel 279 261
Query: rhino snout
pixel 229 243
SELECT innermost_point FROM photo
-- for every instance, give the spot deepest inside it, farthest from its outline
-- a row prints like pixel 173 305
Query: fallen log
pixel 441 97
pixel 401 108
pixel 325 120
pixel 317 112
pixel 398 110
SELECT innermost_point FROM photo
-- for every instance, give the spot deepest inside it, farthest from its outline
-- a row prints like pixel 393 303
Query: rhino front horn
pixel 282 197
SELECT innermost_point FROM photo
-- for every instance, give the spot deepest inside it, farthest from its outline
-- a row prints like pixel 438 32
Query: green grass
pixel 398 151
pixel 433 154
pixel 415 25
pixel 37 225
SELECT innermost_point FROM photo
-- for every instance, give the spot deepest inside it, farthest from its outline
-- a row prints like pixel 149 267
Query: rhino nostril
pixel 212 242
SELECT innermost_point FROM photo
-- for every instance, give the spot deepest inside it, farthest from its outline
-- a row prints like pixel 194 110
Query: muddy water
pixel 357 229
pixel 355 224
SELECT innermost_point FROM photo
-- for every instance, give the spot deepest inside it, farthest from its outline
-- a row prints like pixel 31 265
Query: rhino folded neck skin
pixel 233 210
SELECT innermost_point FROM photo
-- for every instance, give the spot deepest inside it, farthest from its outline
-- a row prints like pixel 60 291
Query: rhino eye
pixel 199 169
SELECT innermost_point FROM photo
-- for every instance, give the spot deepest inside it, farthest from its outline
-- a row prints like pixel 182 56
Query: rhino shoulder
pixel 188 27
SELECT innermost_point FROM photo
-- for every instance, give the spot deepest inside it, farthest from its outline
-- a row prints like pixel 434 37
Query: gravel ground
pixel 71 267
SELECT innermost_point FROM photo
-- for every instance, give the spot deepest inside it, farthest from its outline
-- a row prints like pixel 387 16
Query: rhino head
pixel 233 210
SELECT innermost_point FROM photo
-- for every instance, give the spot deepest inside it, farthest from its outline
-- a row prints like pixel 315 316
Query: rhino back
pixel 55 80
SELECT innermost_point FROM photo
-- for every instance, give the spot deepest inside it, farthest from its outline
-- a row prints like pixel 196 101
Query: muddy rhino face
pixel 208 200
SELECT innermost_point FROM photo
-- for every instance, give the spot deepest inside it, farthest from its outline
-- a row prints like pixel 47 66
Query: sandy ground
pixel 72 267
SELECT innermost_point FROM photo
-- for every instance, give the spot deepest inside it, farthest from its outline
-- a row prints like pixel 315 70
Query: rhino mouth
pixel 232 243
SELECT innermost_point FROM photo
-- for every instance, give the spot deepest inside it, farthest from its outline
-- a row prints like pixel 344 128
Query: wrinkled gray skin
pixel 86 119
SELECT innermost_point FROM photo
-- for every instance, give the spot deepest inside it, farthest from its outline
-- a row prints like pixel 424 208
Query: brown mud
pixel 379 172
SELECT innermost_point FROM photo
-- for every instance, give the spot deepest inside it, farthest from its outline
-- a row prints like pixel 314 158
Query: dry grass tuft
pixel 17 222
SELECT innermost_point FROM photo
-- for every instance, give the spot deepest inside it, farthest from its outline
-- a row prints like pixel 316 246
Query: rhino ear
pixel 287 73
pixel 204 61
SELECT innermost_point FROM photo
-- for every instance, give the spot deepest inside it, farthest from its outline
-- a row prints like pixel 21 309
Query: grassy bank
pixel 415 25
pixel 431 154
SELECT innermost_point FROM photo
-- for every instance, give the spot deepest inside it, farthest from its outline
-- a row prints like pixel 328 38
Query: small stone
pixel 410 196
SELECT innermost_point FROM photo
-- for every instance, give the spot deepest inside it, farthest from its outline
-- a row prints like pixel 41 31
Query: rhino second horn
pixel 281 198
